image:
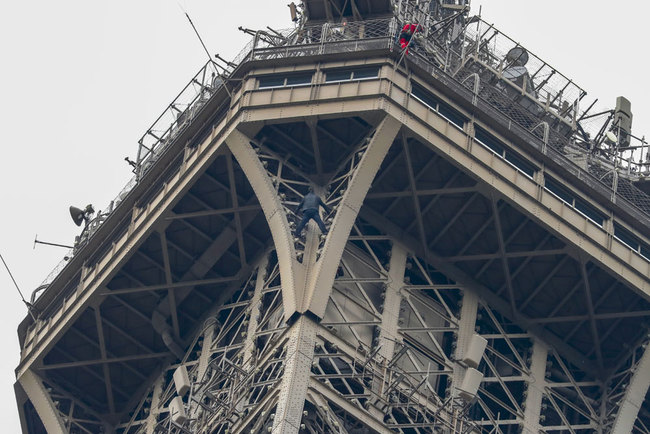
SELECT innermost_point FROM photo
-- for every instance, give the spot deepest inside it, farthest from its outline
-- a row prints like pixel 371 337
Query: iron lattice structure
pixel 466 204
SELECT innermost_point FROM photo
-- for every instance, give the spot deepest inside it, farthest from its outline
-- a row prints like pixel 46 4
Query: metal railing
pixel 177 116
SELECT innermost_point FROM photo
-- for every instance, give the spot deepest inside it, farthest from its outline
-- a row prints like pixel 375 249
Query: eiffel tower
pixel 486 267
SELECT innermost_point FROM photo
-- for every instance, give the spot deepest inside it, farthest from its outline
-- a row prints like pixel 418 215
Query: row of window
pixel 632 241
pixel 481 136
pixel 558 189
pixel 296 79
pixel 528 168
pixel 492 143
pixel 437 105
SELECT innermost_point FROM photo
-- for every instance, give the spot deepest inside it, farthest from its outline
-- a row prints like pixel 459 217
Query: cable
pixel 196 31
pixel 29 306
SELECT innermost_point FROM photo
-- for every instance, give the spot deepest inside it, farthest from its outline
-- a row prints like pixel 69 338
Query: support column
pixel 466 328
pixel 634 396
pixel 40 398
pixel 536 387
pixel 392 302
pixel 297 372
pixel 154 409
pixel 253 319
pixel 390 314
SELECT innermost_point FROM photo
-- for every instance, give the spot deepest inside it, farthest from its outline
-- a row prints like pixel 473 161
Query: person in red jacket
pixel 407 33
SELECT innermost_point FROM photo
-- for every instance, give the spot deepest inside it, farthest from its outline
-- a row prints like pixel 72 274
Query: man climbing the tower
pixel 309 207
pixel 407 33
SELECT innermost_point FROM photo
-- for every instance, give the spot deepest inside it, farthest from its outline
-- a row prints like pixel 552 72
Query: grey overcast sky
pixel 82 80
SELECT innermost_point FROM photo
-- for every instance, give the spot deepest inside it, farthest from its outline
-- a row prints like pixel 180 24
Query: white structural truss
pixel 473 279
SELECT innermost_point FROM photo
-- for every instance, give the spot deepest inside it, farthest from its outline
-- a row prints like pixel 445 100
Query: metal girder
pixel 365 418
pixel 102 351
pixel 213 212
pixel 295 381
pixel 249 344
pixel 388 333
pixel 504 308
pixel 109 353
pixel 634 396
pixel 321 278
pixel 315 145
pixel 241 148
pixel 106 360
pixel 40 398
pixel 168 280
pixel 235 202
pixel 592 318
pixel 412 187
pixel 142 223
pixel 504 261
pixel 536 388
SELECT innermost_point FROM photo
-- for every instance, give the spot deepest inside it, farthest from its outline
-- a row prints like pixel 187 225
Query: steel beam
pixel 241 148
pixel 634 396
pixel 295 381
pixel 460 276
pixel 536 388
pixel 40 398
pixel 388 334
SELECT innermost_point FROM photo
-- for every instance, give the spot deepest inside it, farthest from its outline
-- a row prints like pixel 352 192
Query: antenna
pixel 196 31
pixel 37 241
pixel 29 306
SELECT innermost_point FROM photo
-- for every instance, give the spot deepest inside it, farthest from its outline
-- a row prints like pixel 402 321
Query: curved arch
pixel 276 218
pixel 632 402
pixel 319 285
pixel 36 392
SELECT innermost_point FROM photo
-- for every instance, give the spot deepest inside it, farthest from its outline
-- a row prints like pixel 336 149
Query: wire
pixel 29 306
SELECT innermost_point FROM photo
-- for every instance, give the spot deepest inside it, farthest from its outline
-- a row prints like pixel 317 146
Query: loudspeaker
pixel 181 380
pixel 177 410
pixel 77 215
pixel 475 351
pixel 469 386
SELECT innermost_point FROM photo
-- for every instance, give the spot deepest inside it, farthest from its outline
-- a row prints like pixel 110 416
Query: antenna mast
pixel 197 33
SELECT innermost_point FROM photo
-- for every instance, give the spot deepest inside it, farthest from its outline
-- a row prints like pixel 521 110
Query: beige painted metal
pixel 371 421
pixel 253 318
pixel 390 314
pixel 273 210
pixel 635 394
pixel 536 388
pixel 468 283
pixel 388 334
pixel 155 407
pixel 321 281
pixel 40 398
pixel 295 381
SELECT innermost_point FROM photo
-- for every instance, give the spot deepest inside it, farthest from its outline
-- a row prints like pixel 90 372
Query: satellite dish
pixel 514 72
pixel 77 215
pixel 610 137
pixel 517 56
